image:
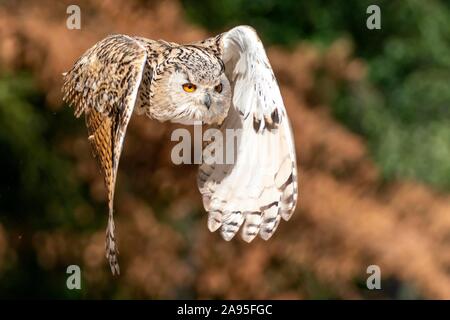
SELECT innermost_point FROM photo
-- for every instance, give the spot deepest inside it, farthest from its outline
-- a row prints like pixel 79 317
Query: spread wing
pixel 260 186
pixel 103 84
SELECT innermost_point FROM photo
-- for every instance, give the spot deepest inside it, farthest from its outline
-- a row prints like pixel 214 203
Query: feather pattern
pixel 104 84
pixel 261 186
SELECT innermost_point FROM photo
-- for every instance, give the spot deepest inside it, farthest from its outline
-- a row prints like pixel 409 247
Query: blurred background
pixel 370 110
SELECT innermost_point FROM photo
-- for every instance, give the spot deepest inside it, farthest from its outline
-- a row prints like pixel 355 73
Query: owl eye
pixel 189 87
pixel 218 88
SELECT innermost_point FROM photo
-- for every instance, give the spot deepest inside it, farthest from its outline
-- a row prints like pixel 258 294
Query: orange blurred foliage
pixel 347 218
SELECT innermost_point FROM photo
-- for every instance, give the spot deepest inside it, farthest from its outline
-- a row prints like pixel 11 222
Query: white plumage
pixel 261 187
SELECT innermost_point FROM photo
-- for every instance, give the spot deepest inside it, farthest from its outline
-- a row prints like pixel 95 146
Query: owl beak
pixel 207 100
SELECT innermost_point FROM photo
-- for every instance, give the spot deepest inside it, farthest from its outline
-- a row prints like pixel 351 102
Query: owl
pixel 226 82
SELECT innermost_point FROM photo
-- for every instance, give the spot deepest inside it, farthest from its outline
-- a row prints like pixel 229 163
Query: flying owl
pixel 224 81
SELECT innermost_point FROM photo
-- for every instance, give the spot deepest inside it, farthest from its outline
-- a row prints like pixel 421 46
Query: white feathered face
pixel 198 89
pixel 199 99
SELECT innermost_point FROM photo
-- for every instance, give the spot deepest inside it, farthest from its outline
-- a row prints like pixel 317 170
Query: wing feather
pixel 103 84
pixel 260 187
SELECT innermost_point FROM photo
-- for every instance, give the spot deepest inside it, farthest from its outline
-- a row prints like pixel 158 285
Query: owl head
pixel 191 87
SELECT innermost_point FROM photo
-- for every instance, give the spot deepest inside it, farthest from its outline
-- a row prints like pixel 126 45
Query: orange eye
pixel 189 87
pixel 218 88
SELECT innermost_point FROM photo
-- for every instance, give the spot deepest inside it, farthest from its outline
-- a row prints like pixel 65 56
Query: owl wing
pixel 260 186
pixel 103 84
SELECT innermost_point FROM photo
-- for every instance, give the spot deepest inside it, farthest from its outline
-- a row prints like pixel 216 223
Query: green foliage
pixel 403 109
pixel 37 182
pixel 37 189
pixel 282 22
pixel 406 113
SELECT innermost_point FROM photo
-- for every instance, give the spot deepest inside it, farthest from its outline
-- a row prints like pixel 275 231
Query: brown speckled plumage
pixel 101 85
